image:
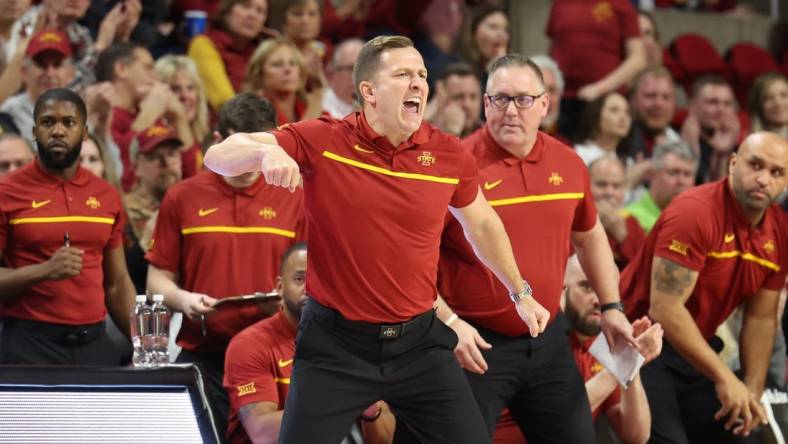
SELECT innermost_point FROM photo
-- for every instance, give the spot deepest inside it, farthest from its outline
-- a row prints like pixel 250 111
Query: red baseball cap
pixel 154 136
pixel 48 40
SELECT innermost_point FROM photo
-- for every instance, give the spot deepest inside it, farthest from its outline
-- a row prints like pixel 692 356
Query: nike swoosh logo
pixel 282 363
pixel 41 204
pixel 491 185
pixel 363 150
pixel 729 237
pixel 204 213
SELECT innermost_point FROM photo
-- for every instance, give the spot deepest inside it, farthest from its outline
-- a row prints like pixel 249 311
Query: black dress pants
pixel 341 367
pixel 538 379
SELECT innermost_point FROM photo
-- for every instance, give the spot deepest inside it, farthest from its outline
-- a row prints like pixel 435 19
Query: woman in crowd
pixel 94 158
pixel 222 52
pixel 302 26
pixel 276 72
pixel 180 73
pixel 488 38
pixel 604 125
pixel 768 104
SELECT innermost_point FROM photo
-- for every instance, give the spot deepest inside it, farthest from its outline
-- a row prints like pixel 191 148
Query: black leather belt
pixel 382 331
pixel 67 334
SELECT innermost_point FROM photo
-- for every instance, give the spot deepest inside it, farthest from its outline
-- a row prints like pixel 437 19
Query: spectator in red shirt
pixel 716 247
pixel 608 186
pixel 138 101
pixel 223 51
pixel 61 249
pixel 768 104
pixel 277 72
pixel 597 44
pixel 374 252
pixel 180 73
pixel 15 153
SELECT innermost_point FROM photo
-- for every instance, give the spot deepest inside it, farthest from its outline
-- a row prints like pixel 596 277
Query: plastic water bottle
pixel 160 330
pixel 140 332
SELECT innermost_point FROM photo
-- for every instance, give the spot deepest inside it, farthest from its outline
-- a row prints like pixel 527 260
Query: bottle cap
pixel 158 298
pixel 141 298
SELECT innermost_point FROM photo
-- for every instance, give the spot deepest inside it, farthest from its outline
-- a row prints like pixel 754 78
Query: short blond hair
pixel 368 60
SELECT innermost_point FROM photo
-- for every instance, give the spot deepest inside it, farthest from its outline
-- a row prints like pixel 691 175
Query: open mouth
pixel 412 105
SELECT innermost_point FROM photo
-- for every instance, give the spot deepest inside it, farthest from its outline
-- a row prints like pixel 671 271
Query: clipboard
pixel 246 298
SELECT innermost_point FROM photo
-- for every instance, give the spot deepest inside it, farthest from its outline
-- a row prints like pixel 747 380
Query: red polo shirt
pixel 541 199
pixel 223 241
pixel 375 213
pixel 36 210
pixel 704 229
pixel 257 368
pixel 587 38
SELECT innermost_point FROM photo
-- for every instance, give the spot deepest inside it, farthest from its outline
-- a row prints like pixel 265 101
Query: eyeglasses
pixel 521 102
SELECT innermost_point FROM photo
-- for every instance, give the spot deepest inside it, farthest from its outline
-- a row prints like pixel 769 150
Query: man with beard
pixel 61 248
pixel 218 237
pixel 260 361
pixel 717 246
pixel 626 409
pixel 156 160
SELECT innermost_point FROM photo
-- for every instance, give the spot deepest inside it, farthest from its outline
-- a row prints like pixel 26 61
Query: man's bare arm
pixel 119 291
pixel 758 324
pixel 262 421
pixel 64 264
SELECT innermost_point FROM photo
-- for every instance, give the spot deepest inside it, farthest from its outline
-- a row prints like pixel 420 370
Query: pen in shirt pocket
pixel 66 240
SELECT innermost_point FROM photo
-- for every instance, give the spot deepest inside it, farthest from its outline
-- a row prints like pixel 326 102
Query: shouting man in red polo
pixel 376 187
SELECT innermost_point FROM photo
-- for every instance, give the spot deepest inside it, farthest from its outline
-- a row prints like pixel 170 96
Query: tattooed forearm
pixel 672 278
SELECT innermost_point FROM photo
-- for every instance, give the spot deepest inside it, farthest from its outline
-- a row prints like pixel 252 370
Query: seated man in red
pixel 259 363
pixel 626 409
pixel 608 185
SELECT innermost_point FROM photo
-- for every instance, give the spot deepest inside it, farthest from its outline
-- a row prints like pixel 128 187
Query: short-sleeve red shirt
pixel 36 210
pixel 257 368
pixel 703 229
pixel 375 213
pixel 541 200
pixel 223 241
pixel 587 38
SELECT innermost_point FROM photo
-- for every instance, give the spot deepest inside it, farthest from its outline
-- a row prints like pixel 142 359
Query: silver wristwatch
pixel 527 292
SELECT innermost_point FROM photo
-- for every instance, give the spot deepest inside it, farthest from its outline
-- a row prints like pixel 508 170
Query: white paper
pixel 623 363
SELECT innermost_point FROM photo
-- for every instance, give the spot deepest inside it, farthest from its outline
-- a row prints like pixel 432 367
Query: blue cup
pixel 196 22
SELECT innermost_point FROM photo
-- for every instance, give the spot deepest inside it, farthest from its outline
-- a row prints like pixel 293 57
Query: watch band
pixel 527 291
pixel 612 306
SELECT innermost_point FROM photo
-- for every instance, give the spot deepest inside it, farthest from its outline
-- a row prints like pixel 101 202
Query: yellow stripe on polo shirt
pixel 746 256
pixel 282 380
pixel 238 230
pixel 387 172
pixel 536 198
pixel 59 219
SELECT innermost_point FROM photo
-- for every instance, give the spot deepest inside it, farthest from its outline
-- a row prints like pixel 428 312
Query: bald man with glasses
pixel 541 190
